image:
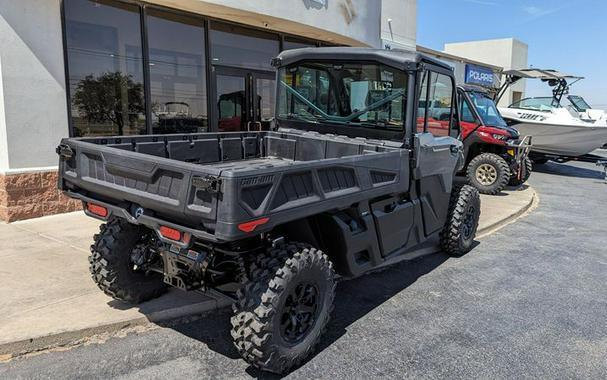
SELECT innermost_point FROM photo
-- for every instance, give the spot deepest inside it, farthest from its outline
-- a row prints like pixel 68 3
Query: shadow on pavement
pixel 569 170
pixel 354 299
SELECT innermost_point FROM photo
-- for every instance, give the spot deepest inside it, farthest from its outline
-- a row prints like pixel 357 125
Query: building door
pixel 244 99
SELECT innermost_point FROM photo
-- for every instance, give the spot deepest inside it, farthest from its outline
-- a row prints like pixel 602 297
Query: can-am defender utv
pixel 349 180
pixel 496 155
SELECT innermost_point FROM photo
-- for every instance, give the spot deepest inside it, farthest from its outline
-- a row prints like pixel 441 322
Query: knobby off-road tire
pixel 489 173
pixel 527 168
pixel 111 267
pixel 459 231
pixel 283 309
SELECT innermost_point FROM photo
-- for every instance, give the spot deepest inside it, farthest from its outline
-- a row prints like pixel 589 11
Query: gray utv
pixel 354 175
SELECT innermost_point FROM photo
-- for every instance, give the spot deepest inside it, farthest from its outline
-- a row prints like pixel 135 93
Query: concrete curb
pixel 511 218
pixel 66 339
pixel 12 350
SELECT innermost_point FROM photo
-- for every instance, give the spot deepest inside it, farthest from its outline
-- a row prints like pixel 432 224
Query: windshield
pixel 485 106
pixel 579 103
pixel 358 94
pixel 536 104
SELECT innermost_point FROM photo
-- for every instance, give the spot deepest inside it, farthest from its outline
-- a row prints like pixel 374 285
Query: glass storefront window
pixel 105 63
pixel 236 46
pixel 111 93
pixel 177 73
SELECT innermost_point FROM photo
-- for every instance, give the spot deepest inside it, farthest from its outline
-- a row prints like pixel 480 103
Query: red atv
pixel 496 155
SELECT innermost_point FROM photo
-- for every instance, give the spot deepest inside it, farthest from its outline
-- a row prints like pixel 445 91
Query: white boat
pixel 558 126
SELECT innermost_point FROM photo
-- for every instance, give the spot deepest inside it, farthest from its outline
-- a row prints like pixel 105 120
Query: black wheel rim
pixel 469 222
pixel 299 312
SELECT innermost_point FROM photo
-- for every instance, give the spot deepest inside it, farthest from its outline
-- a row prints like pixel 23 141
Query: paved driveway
pixel 529 301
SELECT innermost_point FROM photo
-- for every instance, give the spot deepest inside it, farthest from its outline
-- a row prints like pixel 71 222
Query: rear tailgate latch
pixel 64 151
pixel 209 183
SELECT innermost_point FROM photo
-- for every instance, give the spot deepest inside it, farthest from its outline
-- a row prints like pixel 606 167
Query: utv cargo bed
pixel 225 186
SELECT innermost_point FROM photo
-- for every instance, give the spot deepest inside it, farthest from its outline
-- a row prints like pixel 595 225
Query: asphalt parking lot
pixel 529 301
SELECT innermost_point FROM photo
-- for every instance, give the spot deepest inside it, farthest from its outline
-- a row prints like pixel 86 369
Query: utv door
pixel 438 152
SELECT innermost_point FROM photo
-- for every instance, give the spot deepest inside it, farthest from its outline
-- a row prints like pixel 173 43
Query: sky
pixel 565 35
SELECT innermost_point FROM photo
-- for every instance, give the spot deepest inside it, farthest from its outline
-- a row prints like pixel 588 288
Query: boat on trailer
pixel 561 130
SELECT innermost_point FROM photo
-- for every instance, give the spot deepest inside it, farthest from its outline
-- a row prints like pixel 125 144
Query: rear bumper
pixel 145 220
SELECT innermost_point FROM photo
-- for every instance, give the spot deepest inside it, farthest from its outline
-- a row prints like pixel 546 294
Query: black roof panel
pixel 395 58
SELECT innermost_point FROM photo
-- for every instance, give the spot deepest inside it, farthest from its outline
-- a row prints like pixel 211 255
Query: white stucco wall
pixel 399 23
pixel 508 53
pixel 3 140
pixel 33 83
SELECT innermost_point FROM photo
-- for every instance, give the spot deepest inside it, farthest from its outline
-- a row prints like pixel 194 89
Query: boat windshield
pixel 545 104
pixel 358 94
pixel 485 106
pixel 579 103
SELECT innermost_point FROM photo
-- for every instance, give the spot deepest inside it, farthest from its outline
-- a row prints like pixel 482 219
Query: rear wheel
pixel 526 169
pixel 489 173
pixel 284 307
pixel 460 229
pixel 111 263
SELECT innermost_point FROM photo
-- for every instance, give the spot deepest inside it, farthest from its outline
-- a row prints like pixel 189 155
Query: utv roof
pixel 476 88
pixel 540 74
pixel 395 58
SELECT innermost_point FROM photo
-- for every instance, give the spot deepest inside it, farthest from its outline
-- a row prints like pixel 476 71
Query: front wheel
pixel 459 231
pixel 489 173
pixel 526 169
pixel 283 309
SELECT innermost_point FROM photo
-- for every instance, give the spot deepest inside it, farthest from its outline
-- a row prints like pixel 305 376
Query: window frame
pixel 465 100
pixel 68 94
pixel 330 127
pixel 428 70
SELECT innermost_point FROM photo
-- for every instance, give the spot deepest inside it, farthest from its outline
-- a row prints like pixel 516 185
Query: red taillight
pixel 250 226
pixel 97 210
pixel 170 233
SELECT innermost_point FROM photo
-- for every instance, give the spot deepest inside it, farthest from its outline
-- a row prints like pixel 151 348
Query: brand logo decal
pixel 138 212
pixel 479 75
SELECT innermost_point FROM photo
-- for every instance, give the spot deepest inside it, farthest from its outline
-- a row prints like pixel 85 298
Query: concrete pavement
pixel 49 300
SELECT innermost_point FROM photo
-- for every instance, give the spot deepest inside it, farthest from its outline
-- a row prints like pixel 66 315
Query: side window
pixel 466 114
pixel 440 98
pixel 423 101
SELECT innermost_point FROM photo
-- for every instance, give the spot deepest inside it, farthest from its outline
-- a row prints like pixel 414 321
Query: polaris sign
pixel 479 75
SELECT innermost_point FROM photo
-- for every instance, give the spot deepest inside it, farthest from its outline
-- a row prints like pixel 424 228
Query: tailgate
pixel 138 182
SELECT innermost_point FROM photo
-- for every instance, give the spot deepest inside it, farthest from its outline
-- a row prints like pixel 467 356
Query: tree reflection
pixel 112 97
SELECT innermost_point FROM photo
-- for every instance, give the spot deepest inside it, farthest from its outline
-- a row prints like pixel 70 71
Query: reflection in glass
pixel 440 96
pixel 236 46
pixel 106 68
pixel 265 96
pixel 177 73
pixel 230 102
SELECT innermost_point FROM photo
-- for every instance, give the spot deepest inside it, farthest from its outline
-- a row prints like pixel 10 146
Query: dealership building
pixel 76 68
